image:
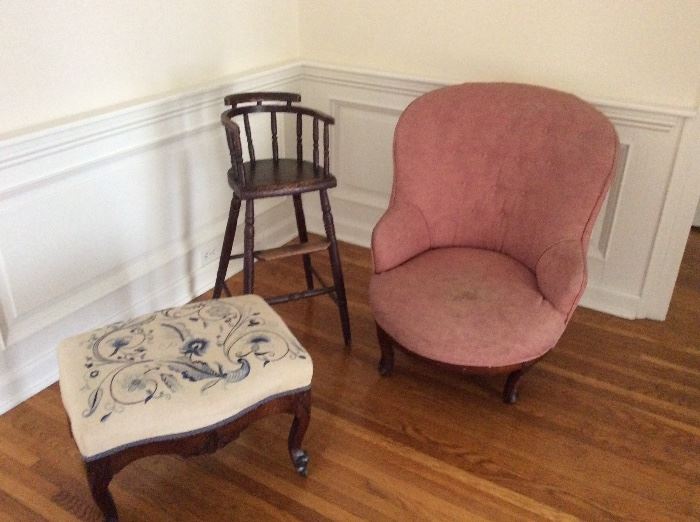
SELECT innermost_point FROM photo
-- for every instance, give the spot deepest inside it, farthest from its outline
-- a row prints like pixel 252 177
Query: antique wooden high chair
pixel 264 178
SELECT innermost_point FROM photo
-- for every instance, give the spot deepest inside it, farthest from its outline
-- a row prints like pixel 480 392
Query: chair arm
pixel 400 234
pixel 561 274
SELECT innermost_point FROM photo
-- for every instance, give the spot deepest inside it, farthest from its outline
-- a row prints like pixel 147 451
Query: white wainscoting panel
pixel 626 237
pixel 108 217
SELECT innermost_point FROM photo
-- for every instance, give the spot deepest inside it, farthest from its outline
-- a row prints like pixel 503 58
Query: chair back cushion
pixel 505 167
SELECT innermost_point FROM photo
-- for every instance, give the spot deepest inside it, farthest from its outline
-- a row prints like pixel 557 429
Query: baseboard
pixel 27 380
pixel 611 302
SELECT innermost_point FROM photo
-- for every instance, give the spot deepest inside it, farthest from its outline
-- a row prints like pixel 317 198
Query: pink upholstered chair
pixel 480 259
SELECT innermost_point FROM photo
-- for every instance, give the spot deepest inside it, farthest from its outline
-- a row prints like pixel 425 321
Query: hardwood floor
pixel 606 427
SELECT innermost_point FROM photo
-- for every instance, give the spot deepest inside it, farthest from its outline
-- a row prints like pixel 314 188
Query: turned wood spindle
pixel 300 146
pixel 273 127
pixel 315 143
pixel 249 138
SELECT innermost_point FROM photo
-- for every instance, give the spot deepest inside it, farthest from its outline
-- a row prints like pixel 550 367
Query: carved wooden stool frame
pixel 100 471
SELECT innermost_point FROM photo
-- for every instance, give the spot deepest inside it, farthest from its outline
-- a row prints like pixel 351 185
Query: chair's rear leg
pixel 302 415
pixel 337 269
pixel 248 248
pixel 226 247
pixel 99 476
pixel 303 238
pixel 386 345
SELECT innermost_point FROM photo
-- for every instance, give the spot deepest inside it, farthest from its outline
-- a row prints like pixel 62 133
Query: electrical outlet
pixel 209 255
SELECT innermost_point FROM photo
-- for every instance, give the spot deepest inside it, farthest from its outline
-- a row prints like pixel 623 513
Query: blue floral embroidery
pixel 195 347
pixel 118 344
pixel 135 383
pixel 121 371
pixel 200 371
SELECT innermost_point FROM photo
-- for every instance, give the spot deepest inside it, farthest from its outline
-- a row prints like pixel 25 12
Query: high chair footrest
pixel 292 250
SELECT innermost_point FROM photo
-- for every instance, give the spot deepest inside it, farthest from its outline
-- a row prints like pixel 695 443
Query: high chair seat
pixel 287 176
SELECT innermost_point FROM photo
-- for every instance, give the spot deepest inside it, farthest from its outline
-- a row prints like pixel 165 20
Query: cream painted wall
pixel 62 58
pixel 636 51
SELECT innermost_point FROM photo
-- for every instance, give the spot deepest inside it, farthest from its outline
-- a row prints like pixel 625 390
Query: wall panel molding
pixel 633 230
pixel 67 148
pixel 144 184
pixel 345 151
pixel 601 235
pixel 109 216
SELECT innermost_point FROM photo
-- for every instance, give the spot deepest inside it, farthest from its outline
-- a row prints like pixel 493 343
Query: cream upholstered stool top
pixel 181 380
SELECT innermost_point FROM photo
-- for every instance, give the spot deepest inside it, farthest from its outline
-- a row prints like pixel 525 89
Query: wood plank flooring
pixel 607 427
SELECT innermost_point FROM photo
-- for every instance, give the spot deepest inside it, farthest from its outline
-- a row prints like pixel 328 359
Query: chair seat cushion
pixel 176 372
pixel 466 306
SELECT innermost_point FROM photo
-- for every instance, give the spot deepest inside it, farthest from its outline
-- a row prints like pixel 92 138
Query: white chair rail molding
pixel 117 214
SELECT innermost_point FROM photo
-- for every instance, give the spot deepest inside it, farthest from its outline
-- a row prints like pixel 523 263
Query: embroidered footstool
pixel 185 380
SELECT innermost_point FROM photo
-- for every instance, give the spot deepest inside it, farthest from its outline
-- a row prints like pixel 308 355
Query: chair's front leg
pixel 248 247
pixel 386 345
pixel 99 473
pixel 229 236
pixel 510 389
pixel 303 238
pixel 338 282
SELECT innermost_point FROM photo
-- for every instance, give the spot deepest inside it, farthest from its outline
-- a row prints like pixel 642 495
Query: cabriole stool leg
pixel 302 415
pixel 99 476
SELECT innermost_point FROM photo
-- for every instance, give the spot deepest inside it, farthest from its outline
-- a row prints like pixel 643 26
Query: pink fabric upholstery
pixel 409 234
pixel 445 300
pixel 509 168
pixel 561 274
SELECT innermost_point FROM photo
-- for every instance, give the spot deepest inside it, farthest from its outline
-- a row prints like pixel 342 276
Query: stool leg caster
pixel 99 476
pixel 300 459
pixel 302 413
